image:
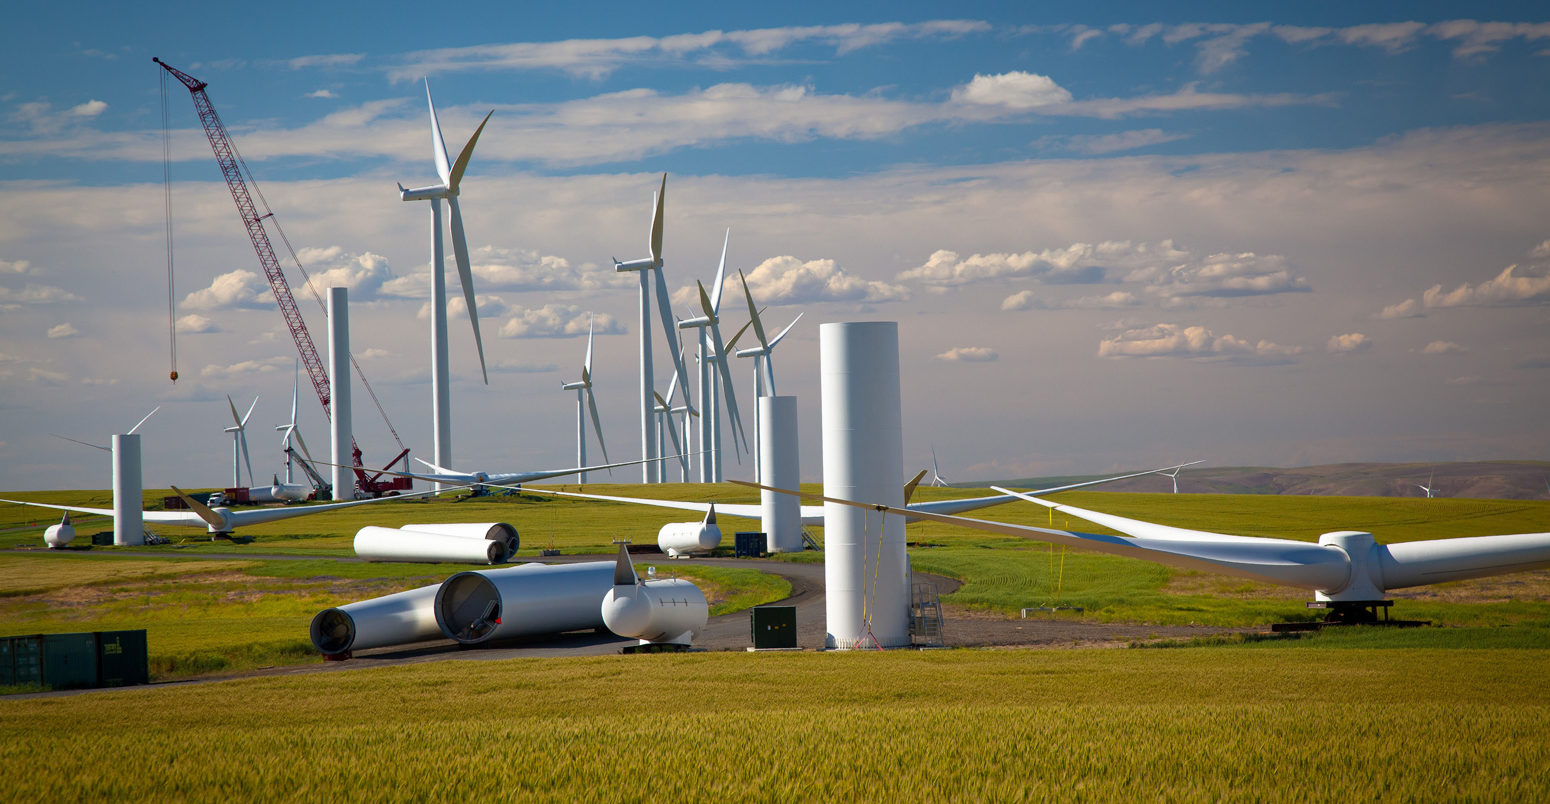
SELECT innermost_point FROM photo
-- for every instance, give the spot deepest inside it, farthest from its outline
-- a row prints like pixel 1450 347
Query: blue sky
pixel 1113 235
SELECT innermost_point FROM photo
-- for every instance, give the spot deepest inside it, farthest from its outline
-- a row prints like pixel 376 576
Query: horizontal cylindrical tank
pixel 685 538
pixel 57 536
pixel 670 610
pixel 395 619
pixel 528 599
pixel 394 544
pixel 476 530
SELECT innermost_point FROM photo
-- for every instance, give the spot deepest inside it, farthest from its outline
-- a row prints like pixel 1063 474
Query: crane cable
pixel 166 185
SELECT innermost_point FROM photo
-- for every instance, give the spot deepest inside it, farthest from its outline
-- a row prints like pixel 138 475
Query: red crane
pixel 230 160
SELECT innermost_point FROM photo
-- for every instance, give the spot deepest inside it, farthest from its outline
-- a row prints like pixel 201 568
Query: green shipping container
pixel 773 627
pixel 7 664
pixel 122 659
pixel 69 661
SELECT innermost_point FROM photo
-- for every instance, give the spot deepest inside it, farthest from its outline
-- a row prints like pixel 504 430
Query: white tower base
pixel 128 519
pixel 339 381
pixel 781 514
pixel 866 574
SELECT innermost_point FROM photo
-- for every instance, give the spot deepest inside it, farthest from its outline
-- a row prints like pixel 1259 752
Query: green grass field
pixel 208 616
pixel 1224 723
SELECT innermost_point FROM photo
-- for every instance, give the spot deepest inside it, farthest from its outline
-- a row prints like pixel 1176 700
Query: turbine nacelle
pixel 424 193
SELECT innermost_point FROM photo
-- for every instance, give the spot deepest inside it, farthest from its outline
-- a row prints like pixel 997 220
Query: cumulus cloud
pixel 557 321
pixel 196 324
pixel 35 294
pixel 1076 263
pixel 969 354
pixel 1348 344
pixel 1026 300
pixel 1194 343
pixel 788 280
pixel 597 58
pixel 527 269
pixel 1512 286
pixel 235 289
pixel 1443 348
pixel 91 108
pixel 23 266
pixel 365 274
pixel 323 94
pixel 1409 308
pixel 1013 90
pixel 65 330
pixel 1223 275
pixel 246 368
pixel 490 306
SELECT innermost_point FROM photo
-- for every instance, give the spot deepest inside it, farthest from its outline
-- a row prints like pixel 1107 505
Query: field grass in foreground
pixel 1195 723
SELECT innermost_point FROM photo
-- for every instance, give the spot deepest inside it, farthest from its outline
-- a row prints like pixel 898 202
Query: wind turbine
pixel 1174 475
pixel 763 365
pixel 239 438
pixel 650 269
pixel 936 474
pixel 710 424
pixel 665 412
pixel 290 431
pixel 1428 488
pixel 717 354
pixel 584 387
pixel 109 449
pixel 451 175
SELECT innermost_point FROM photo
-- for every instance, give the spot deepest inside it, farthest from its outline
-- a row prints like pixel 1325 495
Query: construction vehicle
pixel 233 169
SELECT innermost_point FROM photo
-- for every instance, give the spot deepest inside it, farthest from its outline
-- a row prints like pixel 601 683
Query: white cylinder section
pixel 525 600
pixel 671 610
pixel 498 531
pixel 780 514
pixel 686 538
pixel 396 619
pixel 393 544
pixel 128 516
pixel 339 385
pixel 866 575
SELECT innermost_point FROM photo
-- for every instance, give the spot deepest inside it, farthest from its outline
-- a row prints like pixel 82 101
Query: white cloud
pixel 1223 275
pixel 329 60
pixel 23 266
pixel 969 354
pixel 1348 344
pixel 1539 252
pixel 91 108
pixel 196 324
pixel 1026 300
pixel 65 330
pixel 323 94
pixel 1507 288
pixel 247 368
pixel 788 280
pixel 1076 263
pixel 527 269
pixel 557 321
pixel 234 289
pixel 1220 44
pixel 1479 38
pixel 1391 36
pixel 1409 308
pixel 490 306
pixel 597 58
pixel 1113 143
pixel 1014 90
pixel 1443 348
pixel 364 274
pixel 372 353
pixel 36 294
pixel 1194 343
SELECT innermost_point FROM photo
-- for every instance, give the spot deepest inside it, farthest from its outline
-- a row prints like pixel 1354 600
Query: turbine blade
pixel 303 445
pixel 210 517
pixel 466 276
pixel 438 146
pixel 82 443
pixel 727 385
pixel 706 306
pixel 665 308
pixel 672 432
pixel 295 389
pixel 143 421
pixel 656 223
pixel 597 424
pixel 721 271
pixel 249 414
pixel 672 389
pixel 242 438
pixel 787 329
pixel 909 488
pixel 463 156
pixel 753 314
pixel 732 344
pixel 233 406
pixel 586 365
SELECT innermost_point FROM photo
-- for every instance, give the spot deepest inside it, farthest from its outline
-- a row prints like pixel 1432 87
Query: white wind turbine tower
pixel 710 423
pixel 763 364
pixel 650 269
pixel 715 352
pixel 936 474
pixel 239 438
pixel 451 175
pixel 1431 491
pixel 1175 476
pixel 290 431
pixel 665 412
pixel 586 404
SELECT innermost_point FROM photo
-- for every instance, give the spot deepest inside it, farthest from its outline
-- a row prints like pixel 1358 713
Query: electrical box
pixel 749 544
pixel 774 627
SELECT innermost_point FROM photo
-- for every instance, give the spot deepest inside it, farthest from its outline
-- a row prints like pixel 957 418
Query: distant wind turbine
pixel 239 439
pixel 584 387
